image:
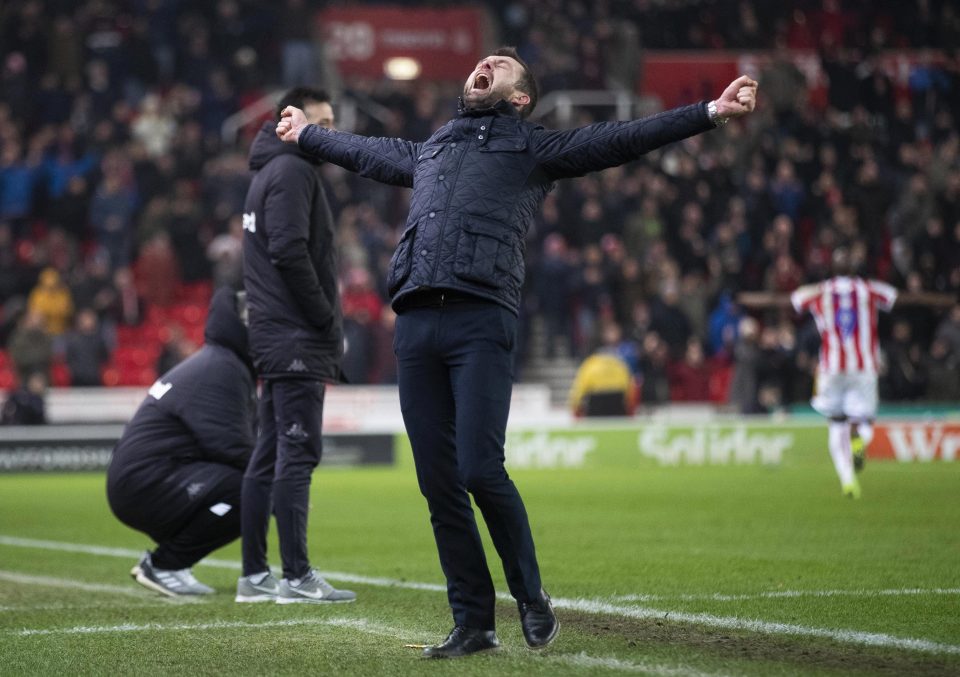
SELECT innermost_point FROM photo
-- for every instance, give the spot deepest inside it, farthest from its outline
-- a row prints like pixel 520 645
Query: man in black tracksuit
pixel 455 283
pixel 296 339
pixel 177 470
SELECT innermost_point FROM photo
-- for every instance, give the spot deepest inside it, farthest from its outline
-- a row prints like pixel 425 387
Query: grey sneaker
pixel 264 591
pixel 170 582
pixel 312 588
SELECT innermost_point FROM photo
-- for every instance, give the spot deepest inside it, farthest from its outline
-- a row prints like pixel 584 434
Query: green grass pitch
pixel 734 570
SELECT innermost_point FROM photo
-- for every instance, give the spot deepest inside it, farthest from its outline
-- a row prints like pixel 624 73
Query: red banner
pixel 445 42
pixel 679 77
pixel 907 441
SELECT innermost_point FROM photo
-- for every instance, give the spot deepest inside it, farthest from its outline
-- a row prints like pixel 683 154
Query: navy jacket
pixel 289 265
pixel 478 183
pixel 202 410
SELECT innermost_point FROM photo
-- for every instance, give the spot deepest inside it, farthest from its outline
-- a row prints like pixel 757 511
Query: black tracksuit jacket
pixel 195 426
pixel 289 265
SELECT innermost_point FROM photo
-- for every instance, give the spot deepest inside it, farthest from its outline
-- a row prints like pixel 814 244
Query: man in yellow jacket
pixel 603 386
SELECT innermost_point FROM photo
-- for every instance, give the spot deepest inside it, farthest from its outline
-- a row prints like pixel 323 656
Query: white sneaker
pixel 263 591
pixel 170 582
pixel 312 588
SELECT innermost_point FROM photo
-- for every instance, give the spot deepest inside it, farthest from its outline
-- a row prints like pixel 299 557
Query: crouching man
pixel 177 470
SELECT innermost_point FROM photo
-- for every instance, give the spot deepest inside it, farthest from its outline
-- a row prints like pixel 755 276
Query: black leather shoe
pixel 540 624
pixel 463 641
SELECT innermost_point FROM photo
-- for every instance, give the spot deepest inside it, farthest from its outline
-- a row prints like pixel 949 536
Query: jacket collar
pixel 501 107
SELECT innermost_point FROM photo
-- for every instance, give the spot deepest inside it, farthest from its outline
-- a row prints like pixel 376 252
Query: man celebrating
pixel 455 282
pixel 846 310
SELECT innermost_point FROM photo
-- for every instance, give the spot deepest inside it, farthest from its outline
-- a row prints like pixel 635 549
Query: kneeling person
pixel 177 470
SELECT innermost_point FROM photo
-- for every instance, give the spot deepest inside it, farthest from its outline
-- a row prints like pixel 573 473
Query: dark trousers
pixel 288 449
pixel 455 369
pixel 183 536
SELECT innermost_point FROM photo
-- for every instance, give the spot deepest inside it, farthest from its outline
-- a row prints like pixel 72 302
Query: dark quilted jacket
pixel 478 182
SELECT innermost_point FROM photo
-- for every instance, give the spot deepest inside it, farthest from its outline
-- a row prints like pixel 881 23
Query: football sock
pixel 839 443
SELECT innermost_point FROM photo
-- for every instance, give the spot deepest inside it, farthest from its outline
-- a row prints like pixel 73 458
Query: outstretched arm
pixel 385 160
pixel 568 153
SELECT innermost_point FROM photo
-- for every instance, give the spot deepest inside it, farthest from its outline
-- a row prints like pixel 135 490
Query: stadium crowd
pixel 120 202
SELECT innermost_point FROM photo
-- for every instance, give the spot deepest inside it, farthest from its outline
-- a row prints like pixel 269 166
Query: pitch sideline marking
pixel 779 594
pixel 761 627
pixel 577 604
pixel 51 582
pixel 360 625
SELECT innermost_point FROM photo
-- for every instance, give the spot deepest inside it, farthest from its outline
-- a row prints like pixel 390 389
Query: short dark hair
pixel 527 83
pixel 298 97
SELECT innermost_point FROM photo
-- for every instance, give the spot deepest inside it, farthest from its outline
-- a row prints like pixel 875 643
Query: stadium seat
pixel 8 379
pixel 60 376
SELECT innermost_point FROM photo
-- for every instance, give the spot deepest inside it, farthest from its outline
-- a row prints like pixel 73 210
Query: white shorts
pixel 850 395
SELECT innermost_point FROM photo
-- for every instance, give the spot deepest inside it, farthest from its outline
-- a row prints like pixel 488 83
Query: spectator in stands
pixel 668 319
pixel 225 252
pixel 553 285
pixel 654 366
pixel 903 379
pixel 31 347
pixel 86 349
pixel 690 377
pixel 949 329
pixel 384 368
pixel 112 210
pixel 362 308
pixel 176 347
pixel 176 471
pixel 127 306
pixel 941 372
pixel 51 299
pixel 26 404
pixel 158 273
pixel 603 386
pixel 19 175
pixel 93 285
pixel 745 386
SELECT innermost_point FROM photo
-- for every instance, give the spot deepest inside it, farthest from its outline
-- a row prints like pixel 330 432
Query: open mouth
pixel 482 82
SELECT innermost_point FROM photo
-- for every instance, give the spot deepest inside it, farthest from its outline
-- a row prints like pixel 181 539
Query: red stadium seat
pixel 60 376
pixel 8 379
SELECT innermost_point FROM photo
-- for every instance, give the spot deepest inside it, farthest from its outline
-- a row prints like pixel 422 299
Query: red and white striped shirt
pixel 846 310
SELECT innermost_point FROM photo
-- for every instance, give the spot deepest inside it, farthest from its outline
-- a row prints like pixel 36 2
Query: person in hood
pixel 454 282
pixel 296 340
pixel 177 471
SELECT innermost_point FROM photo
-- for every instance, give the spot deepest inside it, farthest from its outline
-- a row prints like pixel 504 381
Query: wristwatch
pixel 715 116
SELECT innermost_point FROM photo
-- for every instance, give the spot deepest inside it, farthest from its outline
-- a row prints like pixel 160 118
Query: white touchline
pixel 758 626
pixel 352 623
pixel 581 660
pixel 583 605
pixel 30 608
pixel 778 594
pixel 51 582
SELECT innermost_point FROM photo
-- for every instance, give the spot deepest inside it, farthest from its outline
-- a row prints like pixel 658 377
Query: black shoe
pixel 540 624
pixel 463 641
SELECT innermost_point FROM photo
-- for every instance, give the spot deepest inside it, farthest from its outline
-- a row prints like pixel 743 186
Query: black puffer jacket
pixel 202 410
pixel 289 265
pixel 478 182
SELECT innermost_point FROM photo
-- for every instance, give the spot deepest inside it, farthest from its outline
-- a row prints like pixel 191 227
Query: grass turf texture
pixel 659 546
